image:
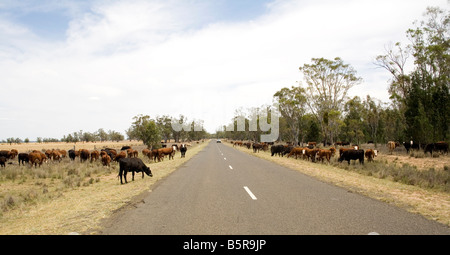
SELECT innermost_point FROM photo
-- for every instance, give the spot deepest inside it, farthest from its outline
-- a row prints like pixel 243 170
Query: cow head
pixel 148 171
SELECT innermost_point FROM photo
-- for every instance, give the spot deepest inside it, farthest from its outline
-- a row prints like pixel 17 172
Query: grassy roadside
pixel 432 204
pixel 80 208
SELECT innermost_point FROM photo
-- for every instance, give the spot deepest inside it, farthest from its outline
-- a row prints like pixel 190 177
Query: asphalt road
pixel 226 192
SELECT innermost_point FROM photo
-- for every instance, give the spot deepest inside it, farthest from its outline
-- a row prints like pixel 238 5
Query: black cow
pixel 3 161
pixel 6 154
pixel 72 154
pixel 352 155
pixel 411 145
pixel 287 150
pixel 133 165
pixel 439 146
pixel 124 148
pixel 277 149
pixel 183 149
pixel 23 157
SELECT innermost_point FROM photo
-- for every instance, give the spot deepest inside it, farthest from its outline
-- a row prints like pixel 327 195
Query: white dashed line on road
pixel 230 167
pixel 250 193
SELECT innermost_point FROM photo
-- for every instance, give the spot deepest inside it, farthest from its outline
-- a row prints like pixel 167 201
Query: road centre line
pixel 230 167
pixel 250 193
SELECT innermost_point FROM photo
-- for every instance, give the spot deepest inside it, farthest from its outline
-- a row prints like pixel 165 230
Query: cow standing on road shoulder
pixel 183 149
pixel 133 165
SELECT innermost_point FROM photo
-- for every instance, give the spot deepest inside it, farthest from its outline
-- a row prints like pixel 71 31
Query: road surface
pixel 224 191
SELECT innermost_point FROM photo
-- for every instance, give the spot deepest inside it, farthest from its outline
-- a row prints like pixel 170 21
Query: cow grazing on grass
pixel 297 151
pixel 14 153
pixel 155 155
pixel 110 152
pixel 36 157
pixel 84 155
pixel 133 165
pixel 183 149
pixel 166 151
pixel 311 145
pixel 23 157
pixel 95 155
pixel 310 154
pixel 324 154
pixel 72 155
pixel 352 155
pixel 106 160
pixel 392 145
pixel 277 149
pixel 55 155
pixel 370 154
pixel 120 156
pixel 439 146
pixel 6 154
pixel 411 145
pixel 442 147
pixel 257 146
pixel 3 161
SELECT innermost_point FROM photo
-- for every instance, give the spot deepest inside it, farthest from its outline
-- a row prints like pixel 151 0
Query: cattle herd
pixel 127 157
pixel 312 153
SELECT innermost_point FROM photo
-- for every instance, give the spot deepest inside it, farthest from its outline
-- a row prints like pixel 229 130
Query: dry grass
pixel 65 197
pixel 431 203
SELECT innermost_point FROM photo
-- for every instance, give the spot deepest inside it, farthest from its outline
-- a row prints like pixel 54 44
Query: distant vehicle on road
pixel 218 141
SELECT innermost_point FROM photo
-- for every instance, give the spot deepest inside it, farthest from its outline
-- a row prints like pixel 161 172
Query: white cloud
pixel 157 57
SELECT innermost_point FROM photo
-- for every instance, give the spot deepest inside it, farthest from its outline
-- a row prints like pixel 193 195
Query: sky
pixel 69 65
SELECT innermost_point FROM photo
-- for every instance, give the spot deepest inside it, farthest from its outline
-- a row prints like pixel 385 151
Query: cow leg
pixel 120 175
pixel 132 173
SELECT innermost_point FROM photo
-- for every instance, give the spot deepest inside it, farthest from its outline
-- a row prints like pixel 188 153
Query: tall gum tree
pixel 328 83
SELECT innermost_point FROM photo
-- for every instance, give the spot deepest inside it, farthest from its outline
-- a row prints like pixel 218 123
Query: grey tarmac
pixel 223 191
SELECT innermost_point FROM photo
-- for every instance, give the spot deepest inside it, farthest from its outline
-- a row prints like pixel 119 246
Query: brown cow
pixel 95 155
pixel 370 154
pixel 36 157
pixel 48 153
pixel 310 153
pixel 145 152
pixel 391 146
pixel 155 155
pixel 55 155
pixel 321 154
pixel 237 143
pixel 149 153
pixel 333 151
pixel 166 151
pixel 297 151
pixel 119 156
pixel 106 159
pixel 63 153
pixel 312 144
pixel 14 153
pixel 84 155
pixel 130 153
